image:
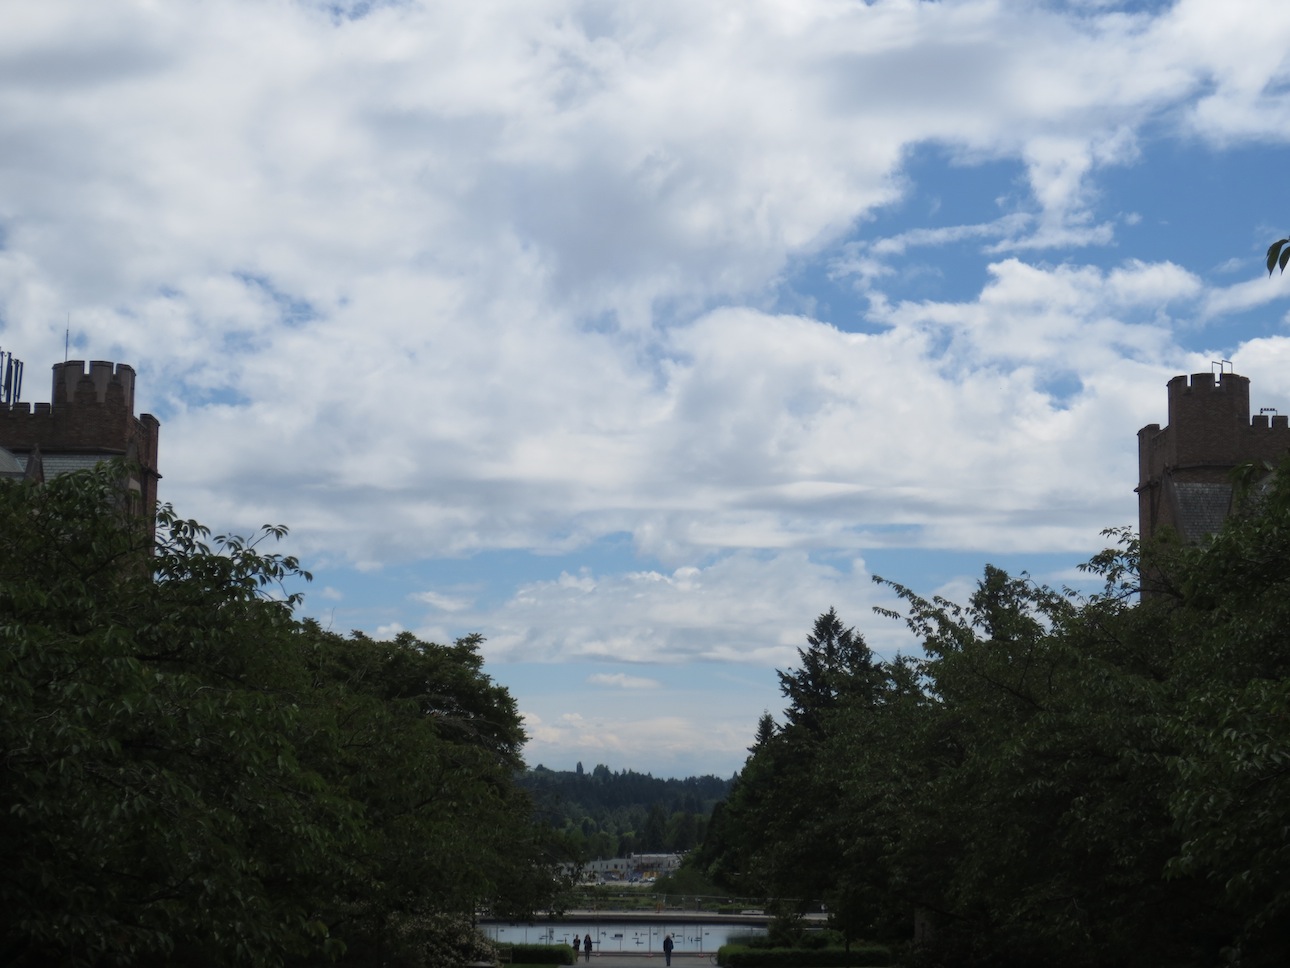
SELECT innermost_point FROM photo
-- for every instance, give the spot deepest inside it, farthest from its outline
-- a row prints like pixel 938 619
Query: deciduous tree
pixel 192 774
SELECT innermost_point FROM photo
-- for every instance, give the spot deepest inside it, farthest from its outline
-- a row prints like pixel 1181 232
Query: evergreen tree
pixel 765 733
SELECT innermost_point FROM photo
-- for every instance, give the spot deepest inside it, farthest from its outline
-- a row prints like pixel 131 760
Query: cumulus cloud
pixel 427 281
pixel 743 607
pixel 313 154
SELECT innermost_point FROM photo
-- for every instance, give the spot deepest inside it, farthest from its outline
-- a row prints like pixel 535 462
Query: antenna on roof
pixel 67 337
pixel 10 379
pixel 1224 366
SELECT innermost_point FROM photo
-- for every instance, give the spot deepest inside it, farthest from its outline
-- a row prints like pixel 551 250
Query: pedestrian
pixel 667 949
pixel 586 948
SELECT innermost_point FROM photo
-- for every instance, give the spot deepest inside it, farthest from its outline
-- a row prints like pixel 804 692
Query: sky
pixel 633 336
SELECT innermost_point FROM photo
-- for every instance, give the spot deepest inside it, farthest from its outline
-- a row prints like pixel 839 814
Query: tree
pixel 1231 769
pixel 603 805
pixel 131 803
pixel 1060 780
pixel 1035 827
pixel 191 774
pixel 778 833
pixel 682 832
pixel 835 667
pixel 653 835
pixel 765 732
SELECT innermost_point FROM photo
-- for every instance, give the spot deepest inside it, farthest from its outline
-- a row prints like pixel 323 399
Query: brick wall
pixel 1210 432
pixel 91 412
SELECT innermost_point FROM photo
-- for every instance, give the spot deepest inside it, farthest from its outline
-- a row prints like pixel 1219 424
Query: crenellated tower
pixel 90 418
pixel 1185 469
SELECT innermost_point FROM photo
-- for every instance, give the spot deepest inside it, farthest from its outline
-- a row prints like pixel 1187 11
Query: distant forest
pixel 605 814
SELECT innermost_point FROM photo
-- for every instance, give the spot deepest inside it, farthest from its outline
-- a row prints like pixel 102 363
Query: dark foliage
pixel 191 775
pixel 605 813
pixel 536 954
pixel 1056 780
pixel 859 956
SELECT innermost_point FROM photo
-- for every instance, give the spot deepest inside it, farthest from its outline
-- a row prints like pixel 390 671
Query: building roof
pixel 57 464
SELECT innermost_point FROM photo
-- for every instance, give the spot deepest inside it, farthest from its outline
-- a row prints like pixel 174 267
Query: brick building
pixel 90 418
pixel 1185 469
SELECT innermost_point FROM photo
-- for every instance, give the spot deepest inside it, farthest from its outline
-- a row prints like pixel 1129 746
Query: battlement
pixel 1184 468
pixel 91 411
pixel 107 382
pixel 90 418
pixel 1209 383
pixel 1202 399
pixel 27 408
pixel 1279 421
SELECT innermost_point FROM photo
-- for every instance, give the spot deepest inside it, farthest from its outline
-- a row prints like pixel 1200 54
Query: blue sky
pixel 635 335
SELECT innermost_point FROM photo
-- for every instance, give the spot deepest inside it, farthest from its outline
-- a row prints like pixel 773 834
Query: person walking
pixel 667 949
pixel 586 948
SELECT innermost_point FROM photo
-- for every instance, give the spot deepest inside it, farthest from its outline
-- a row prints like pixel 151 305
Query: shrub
pixel 537 954
pixel 812 939
pixel 860 956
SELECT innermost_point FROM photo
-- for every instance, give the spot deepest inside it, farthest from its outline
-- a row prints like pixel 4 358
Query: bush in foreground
pixel 537 954
pixel 860 956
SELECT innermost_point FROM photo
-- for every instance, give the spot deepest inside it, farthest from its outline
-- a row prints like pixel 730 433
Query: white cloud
pixel 444 603
pixel 1007 226
pixel 670 744
pixel 620 680
pixel 276 143
pixel 1244 295
pixel 1136 283
pixel 425 280
pixel 744 607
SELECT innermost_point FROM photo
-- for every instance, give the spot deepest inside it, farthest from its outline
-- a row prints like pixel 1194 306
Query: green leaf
pixel 1275 252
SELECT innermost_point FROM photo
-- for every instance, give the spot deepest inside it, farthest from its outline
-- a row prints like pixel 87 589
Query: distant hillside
pixel 610 814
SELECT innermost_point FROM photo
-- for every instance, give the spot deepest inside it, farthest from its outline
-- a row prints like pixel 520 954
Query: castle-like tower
pixel 90 419
pixel 1185 469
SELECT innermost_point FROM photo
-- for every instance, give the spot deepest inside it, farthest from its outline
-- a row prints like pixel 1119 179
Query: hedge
pixel 536 954
pixel 860 956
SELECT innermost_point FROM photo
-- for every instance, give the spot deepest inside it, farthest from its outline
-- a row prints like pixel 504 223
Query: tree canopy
pixel 606 813
pixel 193 775
pixel 1054 779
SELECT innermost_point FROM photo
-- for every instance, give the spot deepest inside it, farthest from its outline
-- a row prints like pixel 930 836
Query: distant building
pixel 90 418
pixel 1185 469
pixel 650 866
pixel 611 869
pixel 633 869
